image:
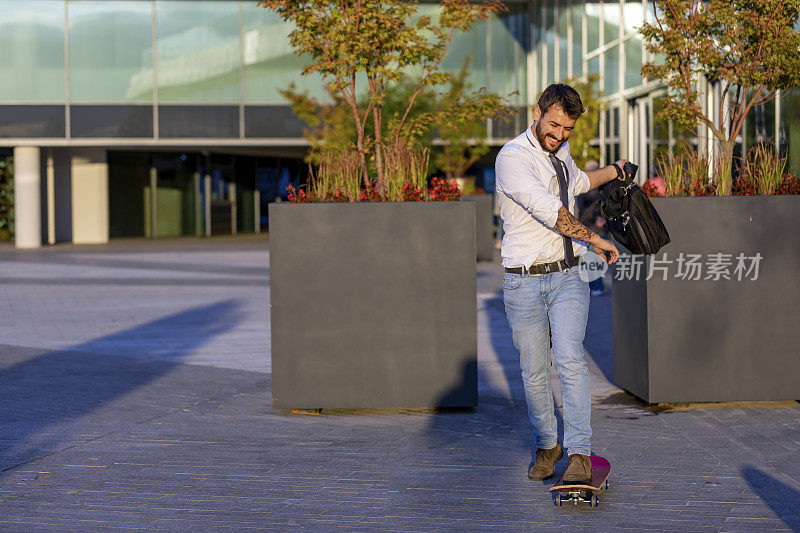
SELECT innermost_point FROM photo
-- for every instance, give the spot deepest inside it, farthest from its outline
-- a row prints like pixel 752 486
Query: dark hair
pixel 563 95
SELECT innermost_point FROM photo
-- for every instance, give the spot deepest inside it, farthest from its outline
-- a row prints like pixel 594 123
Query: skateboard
pixel 584 493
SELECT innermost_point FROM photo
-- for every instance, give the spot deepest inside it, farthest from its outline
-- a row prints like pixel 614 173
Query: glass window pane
pixel 192 121
pixel 508 47
pixel 104 121
pixel 577 33
pixel 612 123
pixel 649 12
pixel 610 21
pixel 611 77
pixel 472 44
pixel 32 121
pixel 272 121
pixel 110 51
pixel 508 130
pixel 550 41
pixel 660 125
pixel 633 16
pixel 790 129
pixel 760 125
pixel 593 66
pixel 176 194
pixel 198 53
pixel 563 42
pixel 592 26
pixel 32 41
pixel 633 62
pixel 270 64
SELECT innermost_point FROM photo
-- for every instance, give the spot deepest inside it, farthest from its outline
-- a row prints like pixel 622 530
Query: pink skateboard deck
pixel 580 493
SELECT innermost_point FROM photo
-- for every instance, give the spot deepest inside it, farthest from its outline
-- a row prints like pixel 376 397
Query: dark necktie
pixel 569 255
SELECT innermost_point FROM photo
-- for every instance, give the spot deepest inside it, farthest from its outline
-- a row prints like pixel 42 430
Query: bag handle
pixel 620 174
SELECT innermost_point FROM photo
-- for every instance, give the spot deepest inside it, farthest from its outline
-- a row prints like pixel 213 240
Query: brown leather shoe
pixel 545 462
pixel 579 470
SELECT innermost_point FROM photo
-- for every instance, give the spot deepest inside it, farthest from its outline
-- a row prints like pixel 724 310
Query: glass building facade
pixel 182 69
pixel 180 100
pixel 573 38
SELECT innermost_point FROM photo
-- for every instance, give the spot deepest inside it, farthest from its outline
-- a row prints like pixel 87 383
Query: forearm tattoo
pixel 570 226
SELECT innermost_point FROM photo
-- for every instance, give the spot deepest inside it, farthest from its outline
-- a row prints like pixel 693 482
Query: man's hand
pixel 621 165
pixel 603 175
pixel 600 246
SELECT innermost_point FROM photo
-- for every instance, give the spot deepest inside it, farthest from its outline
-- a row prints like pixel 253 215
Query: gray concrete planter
pixel 707 339
pixel 484 225
pixel 373 305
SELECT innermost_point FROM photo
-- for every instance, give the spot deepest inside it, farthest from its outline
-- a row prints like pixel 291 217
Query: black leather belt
pixel 543 268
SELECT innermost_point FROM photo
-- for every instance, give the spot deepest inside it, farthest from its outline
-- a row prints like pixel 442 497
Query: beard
pixel 541 137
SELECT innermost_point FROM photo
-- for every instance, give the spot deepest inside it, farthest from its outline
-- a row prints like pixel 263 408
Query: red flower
pixel 297 196
pixel 442 191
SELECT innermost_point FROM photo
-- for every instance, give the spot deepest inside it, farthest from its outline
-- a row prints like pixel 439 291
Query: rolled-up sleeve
pixel 516 180
pixel 582 184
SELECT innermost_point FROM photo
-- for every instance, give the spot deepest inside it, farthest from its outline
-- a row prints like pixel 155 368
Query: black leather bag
pixel 630 217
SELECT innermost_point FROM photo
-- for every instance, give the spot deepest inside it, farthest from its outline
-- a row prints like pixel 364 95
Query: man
pixel 546 301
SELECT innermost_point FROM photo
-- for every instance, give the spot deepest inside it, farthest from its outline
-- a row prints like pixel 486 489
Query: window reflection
pixel 612 70
pixel 550 41
pixel 32 44
pixel 592 25
pixel 576 11
pixel 760 125
pixel 610 21
pixel 563 42
pixel 270 64
pixel 110 51
pixel 790 129
pixel 508 46
pixel 472 44
pixel 633 16
pixel 198 51
pixel 633 62
pixel 593 66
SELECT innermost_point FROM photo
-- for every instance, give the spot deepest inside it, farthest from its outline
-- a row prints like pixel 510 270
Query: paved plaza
pixel 135 394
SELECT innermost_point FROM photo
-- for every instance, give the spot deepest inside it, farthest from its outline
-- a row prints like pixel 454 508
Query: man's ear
pixel 537 113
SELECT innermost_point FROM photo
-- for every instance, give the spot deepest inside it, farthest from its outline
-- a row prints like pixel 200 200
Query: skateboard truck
pixel 583 493
pixel 578 496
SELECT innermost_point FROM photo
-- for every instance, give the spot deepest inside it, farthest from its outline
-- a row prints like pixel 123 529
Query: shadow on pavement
pixel 493 427
pixel 780 497
pixel 498 430
pixel 599 334
pixel 507 415
pixel 47 394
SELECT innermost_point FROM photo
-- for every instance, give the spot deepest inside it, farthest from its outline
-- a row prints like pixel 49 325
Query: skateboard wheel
pixel 593 502
pixel 557 500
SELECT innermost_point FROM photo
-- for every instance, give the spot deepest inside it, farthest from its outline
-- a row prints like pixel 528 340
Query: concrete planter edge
pixel 373 305
pixel 706 340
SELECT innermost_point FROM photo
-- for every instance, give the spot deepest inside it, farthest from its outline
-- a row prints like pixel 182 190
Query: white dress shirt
pixel 528 197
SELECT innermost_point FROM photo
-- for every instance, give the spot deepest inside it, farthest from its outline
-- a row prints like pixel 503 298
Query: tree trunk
pixel 359 131
pixel 376 117
pixel 361 151
pixel 725 171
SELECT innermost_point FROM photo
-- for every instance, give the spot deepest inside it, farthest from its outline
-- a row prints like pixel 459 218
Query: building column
pixel 89 196
pixel 232 198
pixel 257 209
pixel 27 197
pixel 207 202
pixel 50 200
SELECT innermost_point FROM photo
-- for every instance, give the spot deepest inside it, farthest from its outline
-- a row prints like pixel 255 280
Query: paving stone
pixel 135 395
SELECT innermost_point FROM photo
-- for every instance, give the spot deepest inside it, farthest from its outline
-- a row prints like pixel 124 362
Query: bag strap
pixel 621 175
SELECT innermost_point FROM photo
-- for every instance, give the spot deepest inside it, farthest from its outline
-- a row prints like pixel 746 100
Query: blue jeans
pixel 553 307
